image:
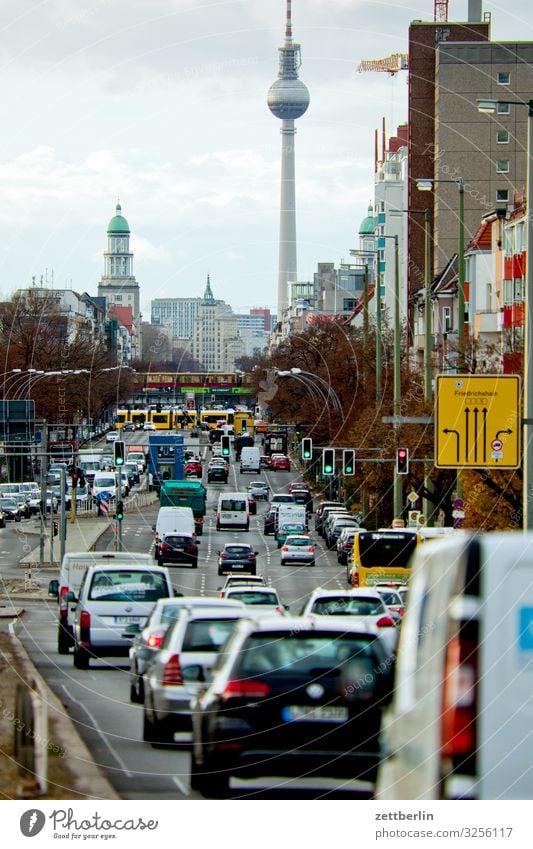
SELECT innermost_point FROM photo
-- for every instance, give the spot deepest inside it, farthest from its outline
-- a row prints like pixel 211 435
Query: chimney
pixel 474 11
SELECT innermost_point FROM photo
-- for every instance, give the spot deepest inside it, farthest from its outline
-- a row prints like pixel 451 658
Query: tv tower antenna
pixel 288 99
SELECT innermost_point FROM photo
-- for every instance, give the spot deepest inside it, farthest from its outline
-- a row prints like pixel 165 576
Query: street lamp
pixel 489 107
pixel 426 185
pixel 367 253
pixel 316 390
pixel 335 398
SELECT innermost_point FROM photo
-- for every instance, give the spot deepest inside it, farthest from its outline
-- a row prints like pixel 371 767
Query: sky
pixel 162 103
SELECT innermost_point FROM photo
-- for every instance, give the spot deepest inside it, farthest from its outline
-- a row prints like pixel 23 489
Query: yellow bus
pixel 243 422
pixel 382 555
pixel 185 419
pixel 212 417
pixel 163 420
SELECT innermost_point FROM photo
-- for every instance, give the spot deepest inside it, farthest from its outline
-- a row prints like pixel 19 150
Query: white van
pixel 73 568
pixel 171 521
pixel 462 712
pixel 250 459
pixel 290 513
pixel 233 511
pixel 104 482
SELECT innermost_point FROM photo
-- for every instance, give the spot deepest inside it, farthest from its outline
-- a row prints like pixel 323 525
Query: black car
pixel 218 473
pixel 270 522
pixel 237 557
pixel 302 496
pixel 177 548
pixel 128 427
pixel 292 699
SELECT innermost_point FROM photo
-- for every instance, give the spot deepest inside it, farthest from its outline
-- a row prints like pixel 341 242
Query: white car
pixel 259 599
pixel 298 548
pixel 111 436
pixel 149 426
pixel 365 604
pixel 259 490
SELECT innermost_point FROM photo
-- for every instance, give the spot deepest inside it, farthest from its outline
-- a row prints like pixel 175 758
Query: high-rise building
pixel 288 99
pixel 177 314
pixel 215 342
pixel 118 284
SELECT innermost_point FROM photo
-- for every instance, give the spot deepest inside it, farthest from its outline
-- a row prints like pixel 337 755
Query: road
pixel 98 699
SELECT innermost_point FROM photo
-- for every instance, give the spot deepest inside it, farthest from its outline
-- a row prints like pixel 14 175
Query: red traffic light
pixel 402 461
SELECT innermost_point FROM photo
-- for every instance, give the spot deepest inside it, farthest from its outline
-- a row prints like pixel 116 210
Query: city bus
pixel 212 417
pixel 383 555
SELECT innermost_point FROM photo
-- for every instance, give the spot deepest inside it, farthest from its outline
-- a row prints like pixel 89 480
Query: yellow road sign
pixel 477 421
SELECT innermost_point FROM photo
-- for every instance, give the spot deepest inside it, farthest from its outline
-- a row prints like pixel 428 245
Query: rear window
pixel 127 586
pixel 347 606
pixel 299 541
pixel 207 634
pixel 304 653
pixel 255 598
pixel 390 598
pixel 235 550
pixel 178 541
pixel 233 504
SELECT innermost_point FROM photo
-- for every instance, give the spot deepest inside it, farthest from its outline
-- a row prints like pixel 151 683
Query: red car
pixel 281 464
pixel 193 470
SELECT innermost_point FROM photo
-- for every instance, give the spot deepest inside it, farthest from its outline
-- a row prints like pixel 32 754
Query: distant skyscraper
pixel 288 99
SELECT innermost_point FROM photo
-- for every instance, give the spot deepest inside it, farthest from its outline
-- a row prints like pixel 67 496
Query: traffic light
pixel 119 450
pixel 56 528
pixel 328 461
pixel 119 514
pixel 402 461
pixel 297 430
pixel 75 475
pixel 348 461
pixel 225 446
pixel 307 448
pixel 244 425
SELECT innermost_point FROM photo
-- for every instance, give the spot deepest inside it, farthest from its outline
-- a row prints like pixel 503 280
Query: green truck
pixel 187 493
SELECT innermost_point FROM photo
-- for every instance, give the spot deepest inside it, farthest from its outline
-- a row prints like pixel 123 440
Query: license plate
pixel 128 620
pixel 237 565
pixel 308 713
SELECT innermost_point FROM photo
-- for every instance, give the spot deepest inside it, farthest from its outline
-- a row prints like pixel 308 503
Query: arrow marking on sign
pixel 450 430
pixel 467 447
pixel 475 411
pixel 485 412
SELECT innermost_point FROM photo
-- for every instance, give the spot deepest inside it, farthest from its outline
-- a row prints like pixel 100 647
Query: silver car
pixel 149 639
pixel 177 672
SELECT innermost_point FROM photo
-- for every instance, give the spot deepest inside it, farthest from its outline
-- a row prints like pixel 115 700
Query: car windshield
pixel 207 634
pixel 7 503
pixel 307 654
pixel 255 597
pixel 290 529
pixel 105 482
pixel 127 586
pixel 347 606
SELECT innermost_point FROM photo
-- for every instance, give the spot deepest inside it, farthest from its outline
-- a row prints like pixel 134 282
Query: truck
pixel 276 442
pixel 185 493
pixel 91 461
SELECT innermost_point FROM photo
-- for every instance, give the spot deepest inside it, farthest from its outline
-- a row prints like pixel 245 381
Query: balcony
pixel 488 321
pixel 513 315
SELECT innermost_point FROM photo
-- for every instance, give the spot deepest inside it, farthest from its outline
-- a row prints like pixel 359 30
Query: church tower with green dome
pixel 118 284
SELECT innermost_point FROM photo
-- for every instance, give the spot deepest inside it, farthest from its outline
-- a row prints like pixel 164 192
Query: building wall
pixel 424 38
pixel 466 141
pixel 178 314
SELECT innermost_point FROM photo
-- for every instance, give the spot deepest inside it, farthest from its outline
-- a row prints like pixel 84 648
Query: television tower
pixel 288 99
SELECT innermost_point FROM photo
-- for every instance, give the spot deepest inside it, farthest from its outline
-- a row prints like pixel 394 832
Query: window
pixel 503 108
pixel 118 297
pixel 502 195
pixel 502 166
pixel 503 78
pixel 446 319
pixel 502 137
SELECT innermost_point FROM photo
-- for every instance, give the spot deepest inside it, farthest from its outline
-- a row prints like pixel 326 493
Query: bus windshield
pixel 378 550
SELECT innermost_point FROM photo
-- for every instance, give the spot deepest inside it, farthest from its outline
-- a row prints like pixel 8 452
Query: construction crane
pixel 391 64
pixel 440 12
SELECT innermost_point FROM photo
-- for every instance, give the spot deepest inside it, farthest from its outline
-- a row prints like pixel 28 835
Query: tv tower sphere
pixel 288 98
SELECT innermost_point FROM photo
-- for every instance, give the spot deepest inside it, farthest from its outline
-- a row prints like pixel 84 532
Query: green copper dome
pixel 118 224
pixel 367 224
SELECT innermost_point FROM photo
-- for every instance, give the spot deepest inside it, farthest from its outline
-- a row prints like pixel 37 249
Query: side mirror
pixel 195 672
pixel 53 589
pixel 287 607
pixel 153 527
pixel 177 594
pixel 198 541
pixel 70 597
pixel 256 553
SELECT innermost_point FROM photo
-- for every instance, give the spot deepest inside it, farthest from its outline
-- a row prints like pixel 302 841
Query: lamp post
pixel 489 107
pixel 365 255
pixel 426 185
pixel 316 390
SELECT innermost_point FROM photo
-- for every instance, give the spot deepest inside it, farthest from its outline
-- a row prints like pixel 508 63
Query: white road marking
pixel 101 733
